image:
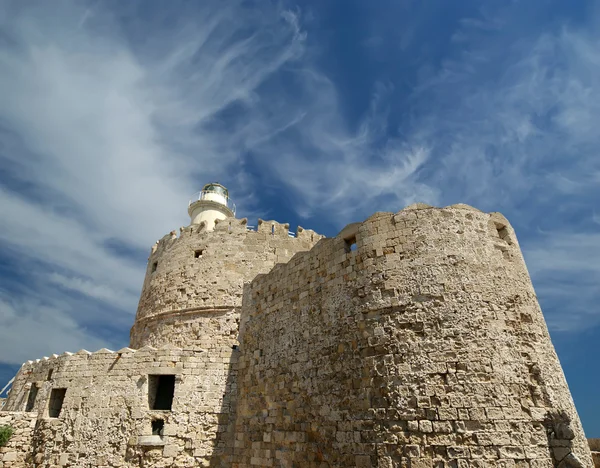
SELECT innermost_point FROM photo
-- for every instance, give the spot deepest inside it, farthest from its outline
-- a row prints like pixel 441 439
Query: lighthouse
pixel 209 204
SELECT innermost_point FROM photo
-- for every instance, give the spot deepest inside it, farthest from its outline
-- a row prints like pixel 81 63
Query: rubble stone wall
pixel 106 419
pixel 422 345
pixel 17 451
pixel 193 287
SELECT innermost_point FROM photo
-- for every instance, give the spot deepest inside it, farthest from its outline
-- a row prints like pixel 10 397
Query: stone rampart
pixel 193 287
pixel 102 409
pixel 412 339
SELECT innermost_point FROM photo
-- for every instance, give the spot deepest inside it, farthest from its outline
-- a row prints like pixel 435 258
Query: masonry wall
pixel 106 419
pixel 595 448
pixel 18 449
pixel 424 347
pixel 193 287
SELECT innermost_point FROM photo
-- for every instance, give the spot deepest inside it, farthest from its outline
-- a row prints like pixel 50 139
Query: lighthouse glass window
pixel 216 189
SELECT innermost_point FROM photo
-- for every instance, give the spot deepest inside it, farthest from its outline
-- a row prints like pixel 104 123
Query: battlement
pixel 265 230
pixel 83 363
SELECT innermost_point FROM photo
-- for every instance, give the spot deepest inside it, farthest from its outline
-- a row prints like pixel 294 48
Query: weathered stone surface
pixel 193 288
pixel 595 448
pixel 424 346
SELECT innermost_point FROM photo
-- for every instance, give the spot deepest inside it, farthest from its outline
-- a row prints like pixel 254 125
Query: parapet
pixel 84 366
pixel 237 227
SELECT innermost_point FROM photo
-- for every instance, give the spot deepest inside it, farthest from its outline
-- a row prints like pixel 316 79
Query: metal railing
pixel 253 228
pixel 202 195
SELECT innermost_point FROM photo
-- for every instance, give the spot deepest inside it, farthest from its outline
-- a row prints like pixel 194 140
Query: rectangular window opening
pixel 154 265
pixel 57 397
pixel 161 389
pixel 198 253
pixel 33 391
pixel 50 374
pixel 158 426
pixel 350 244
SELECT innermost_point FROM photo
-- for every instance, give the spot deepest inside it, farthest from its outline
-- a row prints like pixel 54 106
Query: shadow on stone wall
pixel 560 440
pixel 222 455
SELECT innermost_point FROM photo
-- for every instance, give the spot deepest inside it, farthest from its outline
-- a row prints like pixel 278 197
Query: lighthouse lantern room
pixel 209 204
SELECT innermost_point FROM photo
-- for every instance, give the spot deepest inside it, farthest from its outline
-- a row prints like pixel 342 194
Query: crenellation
pixel 273 228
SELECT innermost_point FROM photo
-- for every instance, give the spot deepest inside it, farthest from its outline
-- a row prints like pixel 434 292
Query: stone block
pixel 170 450
pixel 10 457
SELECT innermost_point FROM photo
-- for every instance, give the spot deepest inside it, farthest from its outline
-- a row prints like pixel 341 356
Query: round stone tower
pixel 192 292
pixel 413 339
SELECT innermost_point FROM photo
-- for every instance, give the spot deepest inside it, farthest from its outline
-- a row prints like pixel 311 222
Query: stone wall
pixel 17 452
pixel 190 308
pixel 106 419
pixel 193 287
pixel 595 448
pixel 410 340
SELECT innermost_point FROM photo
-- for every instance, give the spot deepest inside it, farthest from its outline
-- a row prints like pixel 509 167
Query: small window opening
pixel 50 374
pixel 154 265
pixel 198 253
pixel 272 229
pixel 161 389
pixel 350 244
pixel 57 397
pixel 33 391
pixel 158 426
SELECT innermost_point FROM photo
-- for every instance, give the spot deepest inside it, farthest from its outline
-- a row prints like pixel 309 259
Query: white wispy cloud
pixel 566 268
pixel 330 167
pixel 110 120
pixel 32 328
pixel 512 129
pixel 104 136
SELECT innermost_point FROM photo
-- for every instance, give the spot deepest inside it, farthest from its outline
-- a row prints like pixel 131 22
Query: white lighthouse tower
pixel 209 204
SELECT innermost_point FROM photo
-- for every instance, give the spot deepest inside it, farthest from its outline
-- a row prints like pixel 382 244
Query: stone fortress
pixel 413 339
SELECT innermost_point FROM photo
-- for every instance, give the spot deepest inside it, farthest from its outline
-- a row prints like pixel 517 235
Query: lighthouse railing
pixel 204 195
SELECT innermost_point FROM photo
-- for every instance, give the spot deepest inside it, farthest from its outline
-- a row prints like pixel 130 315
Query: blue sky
pixel 315 113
